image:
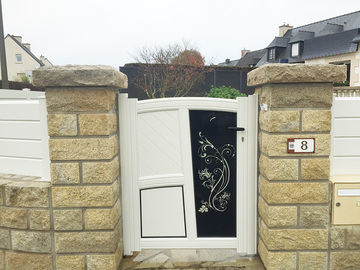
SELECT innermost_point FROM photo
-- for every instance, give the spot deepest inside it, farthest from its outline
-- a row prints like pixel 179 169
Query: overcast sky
pixel 109 32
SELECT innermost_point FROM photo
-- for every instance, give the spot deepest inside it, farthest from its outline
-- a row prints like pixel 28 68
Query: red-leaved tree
pixel 169 72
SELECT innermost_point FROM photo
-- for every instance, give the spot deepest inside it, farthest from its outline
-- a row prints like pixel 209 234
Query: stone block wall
pixel 25 227
pixel 294 203
pixel 74 222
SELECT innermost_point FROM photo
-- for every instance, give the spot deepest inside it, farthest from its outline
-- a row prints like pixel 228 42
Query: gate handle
pixel 236 128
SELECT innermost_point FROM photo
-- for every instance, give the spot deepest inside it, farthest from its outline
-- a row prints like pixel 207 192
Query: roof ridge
pixel 27 50
pixel 326 19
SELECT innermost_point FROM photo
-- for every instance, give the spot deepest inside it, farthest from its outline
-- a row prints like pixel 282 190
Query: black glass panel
pixel 214 170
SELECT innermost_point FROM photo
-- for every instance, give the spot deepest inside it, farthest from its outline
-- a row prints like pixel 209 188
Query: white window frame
pixel 295 49
pixel 18 58
pixel 272 52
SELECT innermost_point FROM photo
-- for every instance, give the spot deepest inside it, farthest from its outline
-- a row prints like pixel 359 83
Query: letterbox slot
pixel 349 192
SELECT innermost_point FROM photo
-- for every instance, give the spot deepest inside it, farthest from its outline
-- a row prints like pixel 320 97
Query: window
pixel 18 58
pixel 272 54
pixel 295 50
pixel 28 73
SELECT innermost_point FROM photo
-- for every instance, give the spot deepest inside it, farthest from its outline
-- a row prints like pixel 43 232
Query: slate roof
pixel 334 44
pixel 231 63
pixel 26 50
pixel 251 58
pixel 332 36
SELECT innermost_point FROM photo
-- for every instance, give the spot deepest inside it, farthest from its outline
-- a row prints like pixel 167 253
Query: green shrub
pixel 224 92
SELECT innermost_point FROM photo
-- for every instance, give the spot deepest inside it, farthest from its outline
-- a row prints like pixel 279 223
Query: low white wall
pixel 23 134
pixel 345 157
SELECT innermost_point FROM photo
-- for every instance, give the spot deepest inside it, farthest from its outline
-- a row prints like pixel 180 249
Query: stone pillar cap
pixel 75 76
pixel 297 73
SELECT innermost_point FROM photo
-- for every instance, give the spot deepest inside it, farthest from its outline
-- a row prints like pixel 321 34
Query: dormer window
pixel 295 49
pixel 272 54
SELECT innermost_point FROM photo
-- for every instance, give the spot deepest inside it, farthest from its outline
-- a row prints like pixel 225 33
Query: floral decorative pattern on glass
pixel 218 179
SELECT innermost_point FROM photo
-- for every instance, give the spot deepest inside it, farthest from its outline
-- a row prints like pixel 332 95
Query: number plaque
pixel 301 145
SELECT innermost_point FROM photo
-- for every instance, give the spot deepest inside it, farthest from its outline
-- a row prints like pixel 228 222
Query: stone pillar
pixel 85 205
pixel 294 189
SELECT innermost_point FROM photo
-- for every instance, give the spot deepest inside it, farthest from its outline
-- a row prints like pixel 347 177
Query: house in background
pixel 331 41
pixel 248 59
pixel 20 60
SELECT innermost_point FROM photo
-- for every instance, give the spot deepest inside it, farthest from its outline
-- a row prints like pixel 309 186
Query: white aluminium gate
pixel 169 159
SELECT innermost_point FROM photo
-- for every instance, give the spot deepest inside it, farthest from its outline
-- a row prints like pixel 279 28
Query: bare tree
pixel 170 71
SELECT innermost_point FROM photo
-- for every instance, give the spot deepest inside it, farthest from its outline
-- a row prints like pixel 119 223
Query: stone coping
pixel 76 76
pixel 297 73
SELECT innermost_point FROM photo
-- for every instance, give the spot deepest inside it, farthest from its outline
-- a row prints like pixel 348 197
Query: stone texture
pixel 277 216
pixel 184 258
pixel 27 261
pixel 97 124
pixel 296 73
pixel 279 169
pixel 13 218
pixel 4 238
pixel 72 100
pixel 83 148
pixel 31 241
pixel 345 260
pixel 285 193
pixel 62 124
pixel 27 194
pixel 315 169
pixel 76 75
pixel 85 196
pixel 102 219
pixel 293 239
pixel 353 238
pixel 213 255
pixel 39 219
pixel 68 220
pixel 313 260
pixel 277 260
pixel 101 262
pixel 276 145
pixel 100 172
pixel 65 173
pixel 280 121
pixel 314 216
pixel 337 235
pixel 86 242
pixel 70 263
pixel 316 121
pixel 2 260
pixel 296 95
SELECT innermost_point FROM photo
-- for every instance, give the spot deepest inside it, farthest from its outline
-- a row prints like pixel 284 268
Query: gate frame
pixel 247 109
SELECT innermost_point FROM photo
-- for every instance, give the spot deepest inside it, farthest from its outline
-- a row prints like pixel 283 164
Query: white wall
pixel 23 134
pixel 14 67
pixel 345 156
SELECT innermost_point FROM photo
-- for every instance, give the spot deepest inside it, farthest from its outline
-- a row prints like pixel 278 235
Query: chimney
pixel 243 52
pixel 227 61
pixel 27 46
pixel 42 58
pixel 18 38
pixel 283 29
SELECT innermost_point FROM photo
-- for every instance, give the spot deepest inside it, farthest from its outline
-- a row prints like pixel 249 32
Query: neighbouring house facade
pixel 20 60
pixel 331 41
